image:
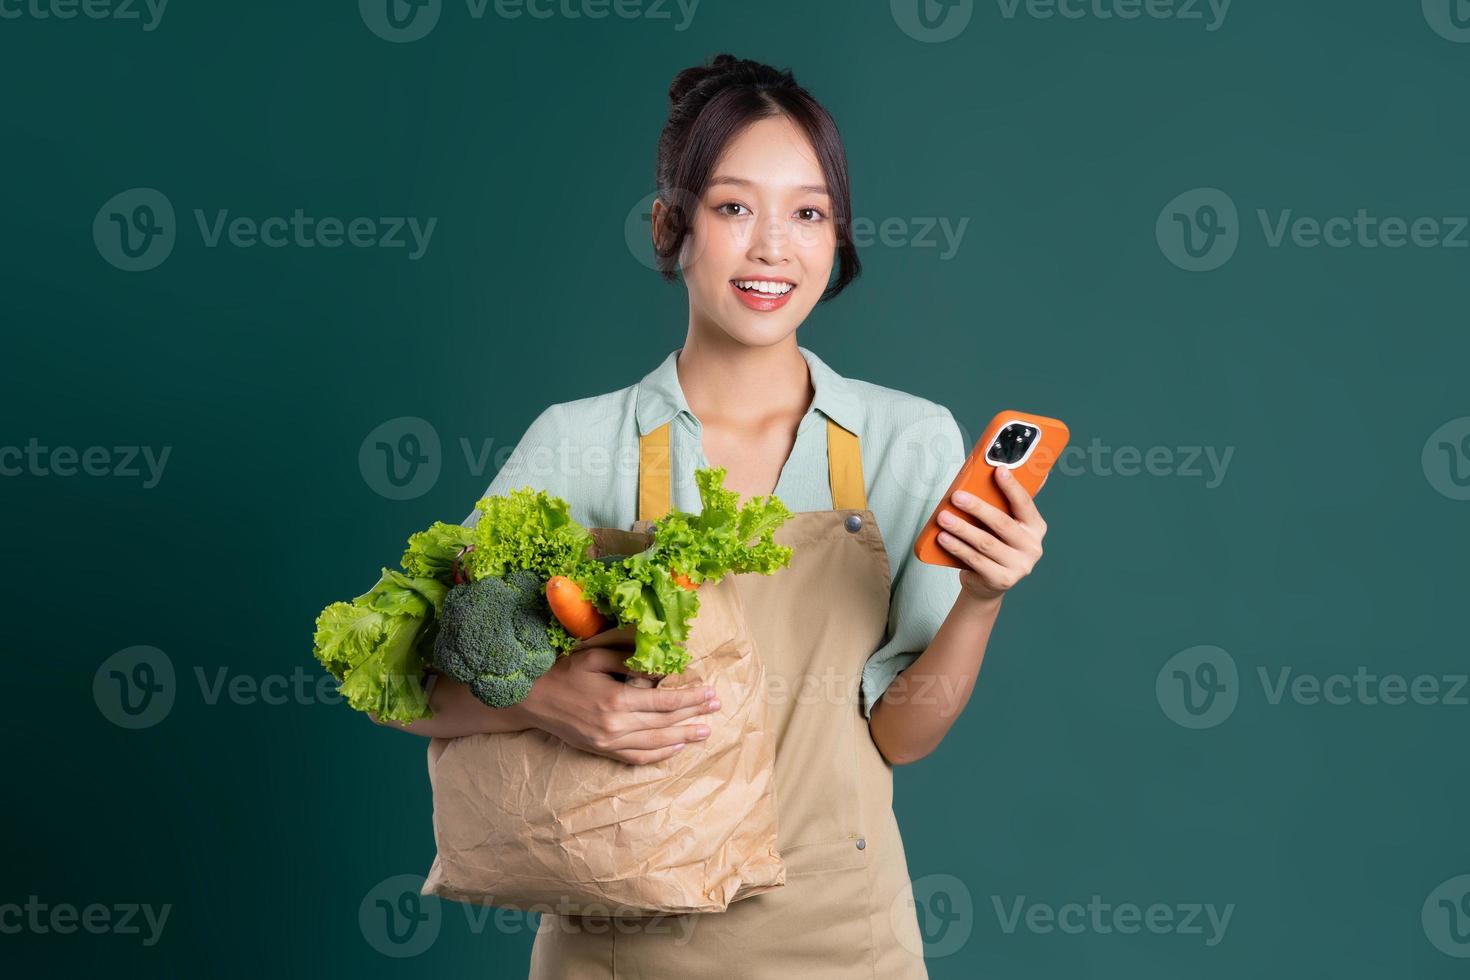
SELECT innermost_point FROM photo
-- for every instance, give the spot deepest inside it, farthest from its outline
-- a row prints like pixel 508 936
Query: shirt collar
pixel 660 398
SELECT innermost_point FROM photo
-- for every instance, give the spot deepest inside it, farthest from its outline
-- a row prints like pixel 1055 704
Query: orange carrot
pixel 577 614
pixel 684 580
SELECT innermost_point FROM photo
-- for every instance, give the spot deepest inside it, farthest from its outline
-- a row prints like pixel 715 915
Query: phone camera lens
pixel 1011 444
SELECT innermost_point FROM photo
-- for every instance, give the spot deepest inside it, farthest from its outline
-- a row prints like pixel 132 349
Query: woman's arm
pixel 457 712
pixel 919 707
pixel 584 701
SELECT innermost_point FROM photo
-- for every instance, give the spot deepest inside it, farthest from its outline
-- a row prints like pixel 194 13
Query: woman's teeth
pixel 764 286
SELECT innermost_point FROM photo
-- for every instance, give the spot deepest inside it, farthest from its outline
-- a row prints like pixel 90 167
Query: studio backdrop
pixel 283 282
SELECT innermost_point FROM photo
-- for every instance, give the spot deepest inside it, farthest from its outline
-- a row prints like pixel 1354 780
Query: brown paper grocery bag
pixel 525 821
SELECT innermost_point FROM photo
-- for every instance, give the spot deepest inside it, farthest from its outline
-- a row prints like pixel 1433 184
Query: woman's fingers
pixel 644 757
pixel 655 745
pixel 1021 503
pixel 987 567
pixel 637 699
pixel 974 540
pixel 654 719
pixel 990 575
pixel 605 660
pixel 1003 525
pixel 662 738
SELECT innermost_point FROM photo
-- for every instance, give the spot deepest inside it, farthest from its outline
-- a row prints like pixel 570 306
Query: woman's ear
pixel 668 215
pixel 659 224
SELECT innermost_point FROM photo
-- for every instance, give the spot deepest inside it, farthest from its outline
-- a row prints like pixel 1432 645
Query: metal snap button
pixel 854 523
pixel 862 844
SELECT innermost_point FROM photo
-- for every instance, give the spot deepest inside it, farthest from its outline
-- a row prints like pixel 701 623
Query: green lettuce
pixel 379 645
pixel 723 538
pixel 373 645
pixel 431 552
pixel 527 529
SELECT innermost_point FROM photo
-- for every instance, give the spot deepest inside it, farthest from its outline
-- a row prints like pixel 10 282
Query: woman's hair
pixel 708 106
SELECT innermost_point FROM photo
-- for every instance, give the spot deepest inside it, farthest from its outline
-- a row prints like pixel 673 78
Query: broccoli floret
pixel 493 636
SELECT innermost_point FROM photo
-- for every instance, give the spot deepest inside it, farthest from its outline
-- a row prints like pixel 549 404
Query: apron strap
pixel 845 468
pixel 844 471
pixel 653 474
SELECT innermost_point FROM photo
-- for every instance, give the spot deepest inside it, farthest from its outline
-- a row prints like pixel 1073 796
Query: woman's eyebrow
pixel 742 182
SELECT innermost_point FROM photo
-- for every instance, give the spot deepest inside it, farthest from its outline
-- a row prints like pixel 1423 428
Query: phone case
pixel 977 476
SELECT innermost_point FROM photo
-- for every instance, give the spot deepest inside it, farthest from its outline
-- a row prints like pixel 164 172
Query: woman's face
pixel 760 249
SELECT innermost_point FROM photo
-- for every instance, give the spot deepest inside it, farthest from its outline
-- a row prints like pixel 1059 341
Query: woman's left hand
pixel 1004 550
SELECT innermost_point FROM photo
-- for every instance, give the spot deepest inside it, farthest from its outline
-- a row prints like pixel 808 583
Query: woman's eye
pixel 732 209
pixel 810 214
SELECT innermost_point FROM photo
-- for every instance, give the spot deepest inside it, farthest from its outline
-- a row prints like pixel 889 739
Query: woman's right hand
pixel 584 701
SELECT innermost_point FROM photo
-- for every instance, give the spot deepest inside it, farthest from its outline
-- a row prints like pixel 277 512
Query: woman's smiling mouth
pixel 763 295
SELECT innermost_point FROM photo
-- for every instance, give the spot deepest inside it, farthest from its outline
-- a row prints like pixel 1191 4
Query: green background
pixel 1325 548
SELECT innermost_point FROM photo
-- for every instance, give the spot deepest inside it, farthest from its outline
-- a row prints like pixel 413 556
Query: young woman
pixel 871 654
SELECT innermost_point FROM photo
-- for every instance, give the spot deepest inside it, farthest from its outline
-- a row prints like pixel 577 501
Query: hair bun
pixel 721 66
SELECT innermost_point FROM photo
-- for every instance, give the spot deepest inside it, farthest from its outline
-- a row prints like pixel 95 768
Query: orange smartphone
pixel 1025 444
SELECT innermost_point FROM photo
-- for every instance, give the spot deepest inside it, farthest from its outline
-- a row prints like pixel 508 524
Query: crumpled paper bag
pixel 525 821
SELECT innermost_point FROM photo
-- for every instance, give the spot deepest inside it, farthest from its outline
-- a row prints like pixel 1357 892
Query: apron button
pixel 854 523
pixel 862 844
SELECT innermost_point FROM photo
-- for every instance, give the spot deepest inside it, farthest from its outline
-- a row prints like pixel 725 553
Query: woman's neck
pixel 727 382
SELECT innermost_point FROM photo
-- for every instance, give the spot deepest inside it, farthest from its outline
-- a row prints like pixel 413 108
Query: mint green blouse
pixel 586 452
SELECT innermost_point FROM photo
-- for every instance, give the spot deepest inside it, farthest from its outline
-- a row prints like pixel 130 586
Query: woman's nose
pixel 769 242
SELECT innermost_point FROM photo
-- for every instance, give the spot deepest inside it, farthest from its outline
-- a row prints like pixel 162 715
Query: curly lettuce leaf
pixel 372 645
pixel 389 682
pixel 346 634
pixel 526 529
pixel 664 611
pixel 399 595
pixel 724 538
pixel 431 552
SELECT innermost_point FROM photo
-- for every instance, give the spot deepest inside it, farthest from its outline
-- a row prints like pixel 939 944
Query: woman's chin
pixel 757 330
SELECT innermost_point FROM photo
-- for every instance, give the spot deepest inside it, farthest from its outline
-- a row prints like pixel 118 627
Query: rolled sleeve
pixel 922 594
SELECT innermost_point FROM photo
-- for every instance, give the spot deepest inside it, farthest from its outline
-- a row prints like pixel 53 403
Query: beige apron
pixel 845 911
